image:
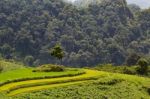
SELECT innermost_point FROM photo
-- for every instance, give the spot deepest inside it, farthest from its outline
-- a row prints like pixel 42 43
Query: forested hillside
pixel 106 32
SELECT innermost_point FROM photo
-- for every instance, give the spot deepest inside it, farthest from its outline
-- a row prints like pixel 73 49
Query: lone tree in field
pixel 57 52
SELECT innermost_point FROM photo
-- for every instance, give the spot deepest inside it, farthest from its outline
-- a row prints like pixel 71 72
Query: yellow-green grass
pixel 61 81
pixel 13 87
pixel 120 69
pixel 89 74
pixel 40 84
pixel 103 80
pixel 30 89
pixel 27 73
pixel 130 78
pixel 3 96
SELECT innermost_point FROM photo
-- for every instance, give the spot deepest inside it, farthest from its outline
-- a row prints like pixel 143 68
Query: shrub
pixel 28 60
pixel 143 66
pixel 49 68
pixel 132 59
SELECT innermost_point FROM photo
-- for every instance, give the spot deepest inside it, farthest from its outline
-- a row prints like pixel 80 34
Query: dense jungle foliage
pixel 106 32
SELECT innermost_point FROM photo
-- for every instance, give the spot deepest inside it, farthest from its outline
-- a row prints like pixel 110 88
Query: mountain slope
pixel 105 32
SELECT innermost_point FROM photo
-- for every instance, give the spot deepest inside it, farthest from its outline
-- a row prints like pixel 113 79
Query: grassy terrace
pixel 28 84
pixel 30 89
pixel 27 73
pixel 22 83
pixel 110 85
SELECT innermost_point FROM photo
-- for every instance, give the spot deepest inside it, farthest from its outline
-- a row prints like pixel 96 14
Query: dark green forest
pixel 107 32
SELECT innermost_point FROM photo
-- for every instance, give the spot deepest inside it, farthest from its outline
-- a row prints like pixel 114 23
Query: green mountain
pixel 48 37
pixel 106 32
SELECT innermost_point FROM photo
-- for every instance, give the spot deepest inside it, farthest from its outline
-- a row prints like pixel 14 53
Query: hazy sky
pixel 142 3
pixel 71 0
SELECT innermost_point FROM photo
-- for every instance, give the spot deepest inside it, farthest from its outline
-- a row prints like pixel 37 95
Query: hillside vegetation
pixel 132 70
pixel 108 85
pixel 42 83
pixel 40 40
pixel 106 32
pixel 26 73
pixel 6 65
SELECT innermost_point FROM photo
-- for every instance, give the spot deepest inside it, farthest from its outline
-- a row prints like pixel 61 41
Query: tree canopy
pixel 106 32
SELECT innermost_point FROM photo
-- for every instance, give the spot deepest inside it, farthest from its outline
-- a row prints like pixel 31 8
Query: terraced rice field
pixel 16 88
pixel 38 84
